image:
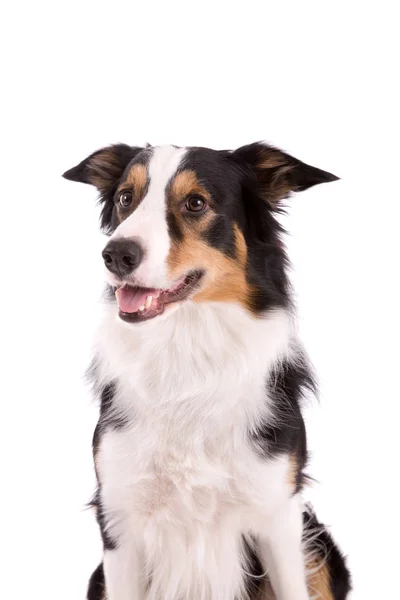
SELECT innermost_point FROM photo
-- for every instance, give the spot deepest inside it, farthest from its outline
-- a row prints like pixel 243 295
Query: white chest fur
pixel 180 478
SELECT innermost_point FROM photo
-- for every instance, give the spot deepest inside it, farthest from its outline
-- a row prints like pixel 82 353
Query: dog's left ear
pixel 103 168
pixel 278 173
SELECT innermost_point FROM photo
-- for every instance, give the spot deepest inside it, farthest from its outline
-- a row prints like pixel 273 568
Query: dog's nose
pixel 121 257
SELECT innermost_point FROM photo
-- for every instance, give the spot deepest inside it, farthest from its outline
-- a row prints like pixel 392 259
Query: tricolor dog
pixel 200 450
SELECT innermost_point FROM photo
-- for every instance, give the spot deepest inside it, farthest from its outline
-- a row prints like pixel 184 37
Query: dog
pixel 200 449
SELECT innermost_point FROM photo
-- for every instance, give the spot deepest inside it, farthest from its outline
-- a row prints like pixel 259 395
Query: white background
pixel 317 79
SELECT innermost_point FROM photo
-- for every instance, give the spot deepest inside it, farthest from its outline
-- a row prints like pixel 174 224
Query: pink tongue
pixel 131 298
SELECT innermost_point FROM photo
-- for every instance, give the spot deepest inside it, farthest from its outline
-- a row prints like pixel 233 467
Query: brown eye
pixel 195 204
pixel 125 199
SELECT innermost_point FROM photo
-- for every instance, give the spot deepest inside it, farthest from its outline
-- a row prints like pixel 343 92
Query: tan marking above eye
pixel 138 177
pixel 186 184
pixel 136 183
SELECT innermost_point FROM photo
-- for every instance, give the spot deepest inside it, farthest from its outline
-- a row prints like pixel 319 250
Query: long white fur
pixel 180 482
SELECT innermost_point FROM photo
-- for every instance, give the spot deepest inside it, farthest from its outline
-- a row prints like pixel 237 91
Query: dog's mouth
pixel 138 304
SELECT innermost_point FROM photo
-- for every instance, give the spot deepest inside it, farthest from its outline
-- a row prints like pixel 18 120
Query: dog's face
pixel 194 224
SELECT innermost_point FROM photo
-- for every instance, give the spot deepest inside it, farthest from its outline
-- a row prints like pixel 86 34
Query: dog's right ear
pixel 103 168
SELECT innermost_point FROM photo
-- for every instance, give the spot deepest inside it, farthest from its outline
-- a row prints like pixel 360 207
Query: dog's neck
pixel 200 353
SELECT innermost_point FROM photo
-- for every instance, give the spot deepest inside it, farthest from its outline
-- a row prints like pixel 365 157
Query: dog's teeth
pixel 117 293
pixel 141 307
pixel 149 300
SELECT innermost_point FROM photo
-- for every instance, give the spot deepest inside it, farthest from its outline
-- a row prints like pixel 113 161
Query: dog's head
pixel 194 223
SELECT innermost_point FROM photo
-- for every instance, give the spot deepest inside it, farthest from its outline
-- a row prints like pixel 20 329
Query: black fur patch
pixel 174 228
pixel 107 420
pixel 106 398
pixel 96 587
pixel 267 260
pixel 221 235
pixel 287 385
pixel 108 417
pixel 339 575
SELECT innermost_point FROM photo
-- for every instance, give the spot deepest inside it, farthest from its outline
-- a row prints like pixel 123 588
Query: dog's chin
pixel 138 304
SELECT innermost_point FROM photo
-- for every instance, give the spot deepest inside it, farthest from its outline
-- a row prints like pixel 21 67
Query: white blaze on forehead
pixel 148 223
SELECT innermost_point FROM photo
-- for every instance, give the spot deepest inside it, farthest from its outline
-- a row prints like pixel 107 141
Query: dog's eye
pixel 195 204
pixel 125 199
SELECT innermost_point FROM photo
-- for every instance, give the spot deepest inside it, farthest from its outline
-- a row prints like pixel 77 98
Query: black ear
pixel 104 167
pixel 278 173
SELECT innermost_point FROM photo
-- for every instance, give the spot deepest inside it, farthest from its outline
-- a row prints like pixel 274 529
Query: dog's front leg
pixel 280 544
pixel 123 573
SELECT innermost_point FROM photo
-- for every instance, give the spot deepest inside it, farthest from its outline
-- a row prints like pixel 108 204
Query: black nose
pixel 121 257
